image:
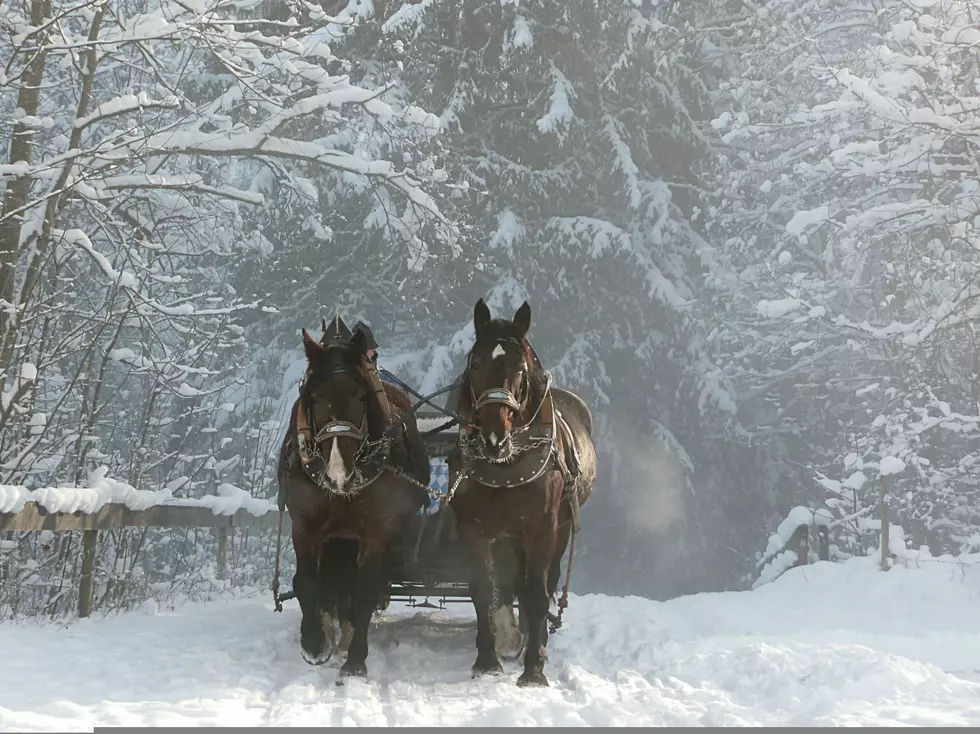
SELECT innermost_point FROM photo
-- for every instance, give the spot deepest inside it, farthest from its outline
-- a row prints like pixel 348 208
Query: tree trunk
pixel 883 513
pixel 51 207
pixel 18 190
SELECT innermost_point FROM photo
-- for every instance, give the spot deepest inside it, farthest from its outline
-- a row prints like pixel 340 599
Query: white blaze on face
pixel 335 467
pixel 498 351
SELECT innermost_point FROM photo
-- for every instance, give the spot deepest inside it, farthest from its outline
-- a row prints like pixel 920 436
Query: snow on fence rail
pixel 789 546
pixel 109 505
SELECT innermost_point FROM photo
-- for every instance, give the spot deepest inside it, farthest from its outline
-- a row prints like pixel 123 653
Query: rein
pixel 427 400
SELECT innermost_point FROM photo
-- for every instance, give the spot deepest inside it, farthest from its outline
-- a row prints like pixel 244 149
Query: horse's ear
pixel 313 348
pixel 522 319
pixel 358 343
pixel 481 316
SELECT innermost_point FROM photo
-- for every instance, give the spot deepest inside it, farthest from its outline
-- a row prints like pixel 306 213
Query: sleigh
pixel 426 563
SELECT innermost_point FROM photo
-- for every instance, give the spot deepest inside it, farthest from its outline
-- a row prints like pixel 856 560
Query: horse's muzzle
pixel 497 448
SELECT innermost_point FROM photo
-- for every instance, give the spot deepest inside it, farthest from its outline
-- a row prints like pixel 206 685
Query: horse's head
pixel 501 377
pixel 334 399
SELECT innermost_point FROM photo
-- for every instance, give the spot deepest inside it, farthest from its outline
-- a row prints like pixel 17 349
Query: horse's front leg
pixel 337 568
pixel 482 584
pixel 539 549
pixel 366 592
pixel 306 585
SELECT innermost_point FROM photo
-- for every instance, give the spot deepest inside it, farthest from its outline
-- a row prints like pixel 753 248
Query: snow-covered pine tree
pixel 849 202
pixel 574 127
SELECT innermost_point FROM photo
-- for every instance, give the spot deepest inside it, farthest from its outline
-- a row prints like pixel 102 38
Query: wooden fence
pixel 799 543
pixel 34 518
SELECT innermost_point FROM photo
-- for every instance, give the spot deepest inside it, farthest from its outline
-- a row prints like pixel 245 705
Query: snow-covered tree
pixel 849 198
pixel 147 146
pixel 143 140
pixel 573 135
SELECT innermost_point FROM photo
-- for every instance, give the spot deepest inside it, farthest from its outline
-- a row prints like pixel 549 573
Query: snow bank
pixel 825 645
pixel 102 490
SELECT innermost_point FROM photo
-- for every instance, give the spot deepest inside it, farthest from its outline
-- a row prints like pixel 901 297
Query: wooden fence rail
pixel 34 518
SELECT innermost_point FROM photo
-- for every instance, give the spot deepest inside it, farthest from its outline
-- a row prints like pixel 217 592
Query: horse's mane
pixel 499 330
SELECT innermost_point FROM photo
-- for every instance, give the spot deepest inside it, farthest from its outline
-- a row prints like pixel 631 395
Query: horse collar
pixel 535 448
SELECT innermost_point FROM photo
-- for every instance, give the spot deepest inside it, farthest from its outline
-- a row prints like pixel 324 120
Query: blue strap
pixel 439 481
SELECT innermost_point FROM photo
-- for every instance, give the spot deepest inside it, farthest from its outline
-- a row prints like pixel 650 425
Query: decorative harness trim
pixel 499 395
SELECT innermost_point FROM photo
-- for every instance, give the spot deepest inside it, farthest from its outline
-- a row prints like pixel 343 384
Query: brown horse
pixel 528 463
pixel 354 471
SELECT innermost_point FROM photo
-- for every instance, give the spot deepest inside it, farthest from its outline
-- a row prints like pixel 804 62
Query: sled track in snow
pixel 810 649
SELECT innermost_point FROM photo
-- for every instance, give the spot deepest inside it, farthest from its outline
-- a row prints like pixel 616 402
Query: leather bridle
pixel 310 456
pixel 500 395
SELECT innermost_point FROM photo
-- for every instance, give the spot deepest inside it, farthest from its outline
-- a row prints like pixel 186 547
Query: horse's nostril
pixel 494 442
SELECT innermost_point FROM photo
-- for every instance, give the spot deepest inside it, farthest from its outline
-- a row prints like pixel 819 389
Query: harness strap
pixel 275 576
pixel 563 601
pixel 497 395
pixel 337 429
pixel 304 436
pixel 382 396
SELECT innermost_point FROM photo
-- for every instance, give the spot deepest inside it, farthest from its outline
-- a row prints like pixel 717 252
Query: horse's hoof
pixel 316 658
pixel 532 680
pixel 353 670
pixel 481 667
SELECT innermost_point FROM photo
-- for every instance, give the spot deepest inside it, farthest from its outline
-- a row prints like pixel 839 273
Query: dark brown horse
pixel 355 471
pixel 528 464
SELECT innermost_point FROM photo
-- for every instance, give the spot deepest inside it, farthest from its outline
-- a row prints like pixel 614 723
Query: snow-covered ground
pixel 823 645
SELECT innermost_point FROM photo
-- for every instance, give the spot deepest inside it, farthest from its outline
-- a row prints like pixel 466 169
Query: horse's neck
pixel 537 407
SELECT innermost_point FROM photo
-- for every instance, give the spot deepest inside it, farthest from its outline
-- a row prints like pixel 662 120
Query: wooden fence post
pixel 883 513
pixel 86 585
pixel 222 552
pixel 823 539
pixel 800 543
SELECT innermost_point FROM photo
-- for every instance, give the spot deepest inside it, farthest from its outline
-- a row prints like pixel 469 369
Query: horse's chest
pixel 489 505
pixel 373 508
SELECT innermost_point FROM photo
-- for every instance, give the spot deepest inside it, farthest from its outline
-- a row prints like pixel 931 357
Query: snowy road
pixel 824 645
